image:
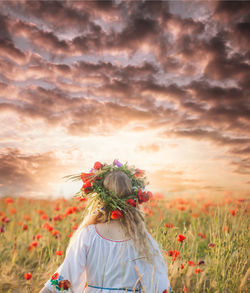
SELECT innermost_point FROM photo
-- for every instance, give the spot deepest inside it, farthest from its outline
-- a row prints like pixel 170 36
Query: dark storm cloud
pixel 196 78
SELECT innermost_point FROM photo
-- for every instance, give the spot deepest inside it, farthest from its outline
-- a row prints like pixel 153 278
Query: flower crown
pixel 115 206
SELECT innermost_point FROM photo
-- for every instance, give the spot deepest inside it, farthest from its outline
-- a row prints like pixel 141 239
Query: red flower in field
pixel 64 284
pixel 40 212
pixel 25 227
pixel 195 215
pixel 13 211
pixel 44 217
pixel 45 225
pixel 191 263
pixel 27 218
pixel 50 228
pixel 59 252
pixel 74 227
pixel 9 200
pixel 19 223
pixel 202 235
pixel 131 202
pixel 211 245
pixel 58 218
pixel 174 254
pixel 169 225
pixel 55 232
pixel 182 266
pixel 198 270
pixel 71 210
pixel 38 236
pixel 97 165
pixel 181 237
pixel 181 208
pixel 116 214
pixel 226 228
pixel 32 244
pixel 144 196
pixel 27 276
pixel 233 212
pixel 55 276
pixel 184 289
pixel 5 219
pixel 70 234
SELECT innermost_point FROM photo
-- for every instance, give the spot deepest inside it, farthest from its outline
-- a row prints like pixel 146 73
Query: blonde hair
pixel 132 222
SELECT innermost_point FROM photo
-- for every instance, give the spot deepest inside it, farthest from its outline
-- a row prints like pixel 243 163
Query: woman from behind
pixel 112 251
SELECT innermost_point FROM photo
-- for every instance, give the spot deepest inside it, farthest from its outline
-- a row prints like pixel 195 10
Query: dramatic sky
pixel 162 85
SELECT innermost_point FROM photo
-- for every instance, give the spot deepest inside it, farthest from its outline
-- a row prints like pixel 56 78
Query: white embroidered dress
pixel 111 266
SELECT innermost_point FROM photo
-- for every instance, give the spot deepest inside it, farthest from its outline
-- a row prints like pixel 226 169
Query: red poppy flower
pixel 233 212
pixel 70 234
pixel 59 252
pixel 144 196
pixel 139 173
pixel 38 236
pixel 181 237
pixel 87 177
pixel 131 202
pixel 64 284
pixel 27 276
pixel 55 232
pixel 169 225
pixel 202 235
pixel 9 200
pixel 13 211
pixel 97 165
pixel 116 214
pixel 25 227
pixel 182 266
pixel 174 254
pixel 55 276
pixel 191 263
pixel 198 270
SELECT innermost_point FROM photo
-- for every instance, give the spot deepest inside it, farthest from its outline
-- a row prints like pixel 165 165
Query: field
pixel 204 241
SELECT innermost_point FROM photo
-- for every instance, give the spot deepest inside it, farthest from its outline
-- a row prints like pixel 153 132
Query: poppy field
pixel 204 241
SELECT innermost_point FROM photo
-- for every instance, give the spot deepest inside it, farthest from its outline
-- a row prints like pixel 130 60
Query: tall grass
pixel 212 258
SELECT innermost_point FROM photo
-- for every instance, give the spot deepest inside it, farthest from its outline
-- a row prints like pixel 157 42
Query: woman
pixel 112 251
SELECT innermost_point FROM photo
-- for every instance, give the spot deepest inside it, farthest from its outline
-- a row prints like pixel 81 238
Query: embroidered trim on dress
pixel 59 283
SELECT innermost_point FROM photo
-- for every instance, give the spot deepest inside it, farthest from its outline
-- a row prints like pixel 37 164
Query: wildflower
pixel 181 208
pixel 202 235
pixel 198 270
pixel 131 202
pixel 19 223
pixel 139 173
pixel 97 165
pixel 5 219
pixel 25 227
pixel 2 229
pixel 74 227
pixel 13 211
pixel 169 225
pixel 174 254
pixel 117 163
pixel 226 228
pixel 44 217
pixel 191 263
pixel 182 266
pixel 70 234
pixel 181 237
pixel 27 276
pixel 59 252
pixel 38 236
pixel 9 200
pixel 55 232
pixel 116 214
pixel 27 218
pixel 58 218
pixel 184 289
pixel 233 212
pixel 40 212
pixel 211 245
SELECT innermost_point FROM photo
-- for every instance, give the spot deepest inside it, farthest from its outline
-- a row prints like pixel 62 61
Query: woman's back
pixel 111 261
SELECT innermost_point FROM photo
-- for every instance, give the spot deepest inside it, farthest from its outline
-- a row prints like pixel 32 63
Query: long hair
pixel 132 223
